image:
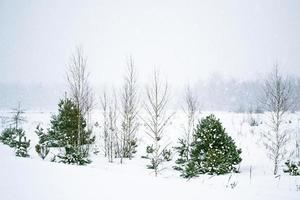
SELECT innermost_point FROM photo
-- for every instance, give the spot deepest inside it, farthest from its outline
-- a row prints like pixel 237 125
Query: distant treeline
pixel 220 93
pixel 217 93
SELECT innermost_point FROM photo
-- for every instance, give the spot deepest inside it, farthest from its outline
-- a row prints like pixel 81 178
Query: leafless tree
pixel 79 87
pixel 105 125
pixel 191 110
pixel 17 117
pixel 278 102
pixel 16 120
pixel 156 120
pixel 129 112
pixel 110 130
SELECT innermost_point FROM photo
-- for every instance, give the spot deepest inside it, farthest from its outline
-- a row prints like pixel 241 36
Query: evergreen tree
pixel 42 148
pixel 22 144
pixel 183 154
pixel 14 136
pixel 73 155
pixel 64 133
pixel 213 151
pixel 64 127
pixel 293 168
pixel 191 110
pixel 8 137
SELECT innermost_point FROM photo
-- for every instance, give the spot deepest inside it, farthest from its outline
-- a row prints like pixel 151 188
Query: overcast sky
pixel 186 40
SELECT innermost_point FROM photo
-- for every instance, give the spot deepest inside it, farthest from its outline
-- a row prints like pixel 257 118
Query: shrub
pixel 42 150
pixel 165 155
pixel 183 155
pixel 22 147
pixel 73 155
pixel 293 168
pixel 8 137
pixel 15 138
pixel 253 122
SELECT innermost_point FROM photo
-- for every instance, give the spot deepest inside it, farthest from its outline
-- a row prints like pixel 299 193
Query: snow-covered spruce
pixel 213 151
pixel 14 136
pixel 63 133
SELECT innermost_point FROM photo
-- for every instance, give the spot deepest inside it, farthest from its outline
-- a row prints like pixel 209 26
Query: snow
pixel 34 179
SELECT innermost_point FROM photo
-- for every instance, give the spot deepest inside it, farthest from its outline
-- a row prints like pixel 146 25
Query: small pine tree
pixel 44 138
pixel 22 144
pixel 64 133
pixel 42 148
pixel 8 137
pixel 164 156
pixel 73 155
pixel 14 136
pixel 190 110
pixel 213 151
pixel 293 168
pixel 64 126
pixel 183 154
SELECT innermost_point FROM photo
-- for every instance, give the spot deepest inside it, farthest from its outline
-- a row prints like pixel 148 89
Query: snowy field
pixel 34 179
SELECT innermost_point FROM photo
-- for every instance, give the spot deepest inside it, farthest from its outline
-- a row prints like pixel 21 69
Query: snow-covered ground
pixel 31 178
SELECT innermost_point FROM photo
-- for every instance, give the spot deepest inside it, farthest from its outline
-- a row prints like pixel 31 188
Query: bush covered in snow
pixel 15 138
pixel 42 148
pixel 73 155
pixel 8 137
pixel 293 168
pixel 165 155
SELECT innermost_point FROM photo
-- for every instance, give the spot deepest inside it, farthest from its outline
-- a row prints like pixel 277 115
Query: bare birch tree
pixel 129 112
pixel 190 109
pixel 105 124
pixel 79 86
pixel 278 102
pixel 110 130
pixel 156 121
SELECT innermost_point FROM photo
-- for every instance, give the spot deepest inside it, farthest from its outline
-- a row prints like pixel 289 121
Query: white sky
pixel 186 40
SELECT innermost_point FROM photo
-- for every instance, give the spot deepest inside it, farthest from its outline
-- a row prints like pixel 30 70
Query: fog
pixel 193 42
